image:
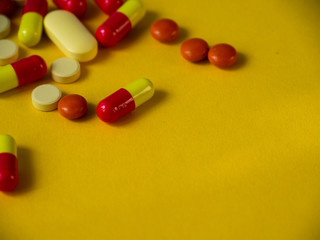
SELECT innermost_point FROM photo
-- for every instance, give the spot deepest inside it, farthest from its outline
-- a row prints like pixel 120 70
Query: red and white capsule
pixel 8 163
pixel 22 72
pixel 77 7
pixel 125 100
pixel 120 23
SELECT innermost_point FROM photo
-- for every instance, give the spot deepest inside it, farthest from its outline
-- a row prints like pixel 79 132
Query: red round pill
pixel 194 49
pixel 222 55
pixel 72 106
pixel 164 30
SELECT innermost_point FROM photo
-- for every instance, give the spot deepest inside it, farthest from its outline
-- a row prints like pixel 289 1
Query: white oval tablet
pixel 9 52
pixel 70 35
pixel 65 70
pixel 46 97
pixel 4 26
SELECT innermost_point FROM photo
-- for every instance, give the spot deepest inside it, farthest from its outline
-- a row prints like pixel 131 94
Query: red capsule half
pixel 109 6
pixel 77 7
pixel 8 163
pixel 29 69
pixel 37 6
pixel 6 7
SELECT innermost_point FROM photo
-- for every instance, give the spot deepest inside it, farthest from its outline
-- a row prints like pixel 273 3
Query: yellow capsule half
pixel 30 29
pixel 7 144
pixel 8 78
pixel 141 90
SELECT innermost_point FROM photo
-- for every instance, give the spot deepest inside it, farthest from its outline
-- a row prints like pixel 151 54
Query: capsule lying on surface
pixel 30 29
pixel 109 6
pixel 70 35
pixel 77 7
pixel 125 100
pixel 8 163
pixel 22 72
pixel 119 24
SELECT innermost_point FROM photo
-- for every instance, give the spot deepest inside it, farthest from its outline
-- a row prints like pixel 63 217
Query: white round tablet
pixel 4 26
pixel 46 97
pixel 9 52
pixel 65 70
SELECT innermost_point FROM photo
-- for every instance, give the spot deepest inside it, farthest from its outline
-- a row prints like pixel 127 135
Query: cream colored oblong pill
pixel 46 97
pixel 70 35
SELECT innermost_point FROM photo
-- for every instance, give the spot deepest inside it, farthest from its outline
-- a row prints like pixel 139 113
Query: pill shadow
pixel 182 36
pixel 241 61
pixel 90 114
pixel 25 171
pixel 92 11
pixel 158 98
pixel 138 31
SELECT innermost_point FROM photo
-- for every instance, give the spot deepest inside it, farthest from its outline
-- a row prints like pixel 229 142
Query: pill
pixel 125 100
pixel 120 23
pixel 20 3
pixel 46 97
pixel 6 7
pixel 77 7
pixel 164 30
pixel 222 55
pixel 22 72
pixel 9 52
pixel 109 6
pixel 194 49
pixel 70 35
pixel 72 106
pixel 65 70
pixel 30 30
pixel 5 26
pixel 8 163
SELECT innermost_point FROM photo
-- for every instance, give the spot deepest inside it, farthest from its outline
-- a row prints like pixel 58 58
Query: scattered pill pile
pixel 67 32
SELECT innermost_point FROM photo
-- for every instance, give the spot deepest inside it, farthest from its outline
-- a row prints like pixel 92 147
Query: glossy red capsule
pixel 8 163
pixel 109 6
pixel 120 23
pixel 77 7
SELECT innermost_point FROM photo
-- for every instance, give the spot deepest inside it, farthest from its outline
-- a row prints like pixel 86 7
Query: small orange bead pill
pixel 222 55
pixel 194 49
pixel 72 106
pixel 164 30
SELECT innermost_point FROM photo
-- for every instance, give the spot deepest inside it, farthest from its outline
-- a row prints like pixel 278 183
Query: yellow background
pixel 216 154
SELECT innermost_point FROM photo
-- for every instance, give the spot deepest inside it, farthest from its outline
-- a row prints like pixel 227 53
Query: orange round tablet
pixel 222 55
pixel 194 49
pixel 72 106
pixel 164 30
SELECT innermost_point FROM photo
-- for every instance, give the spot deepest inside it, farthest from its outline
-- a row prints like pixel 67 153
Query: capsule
pixel 109 6
pixel 22 72
pixel 125 100
pixel 119 24
pixel 8 163
pixel 77 7
pixel 30 29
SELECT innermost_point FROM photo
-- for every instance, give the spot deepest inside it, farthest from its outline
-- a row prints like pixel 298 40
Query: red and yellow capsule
pixel 8 163
pixel 30 29
pixel 125 100
pixel 120 23
pixel 22 72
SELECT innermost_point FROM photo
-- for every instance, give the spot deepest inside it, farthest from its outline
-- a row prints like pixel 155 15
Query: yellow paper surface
pixel 215 154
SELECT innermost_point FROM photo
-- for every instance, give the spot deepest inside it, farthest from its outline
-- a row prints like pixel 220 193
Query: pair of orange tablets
pixel 194 49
